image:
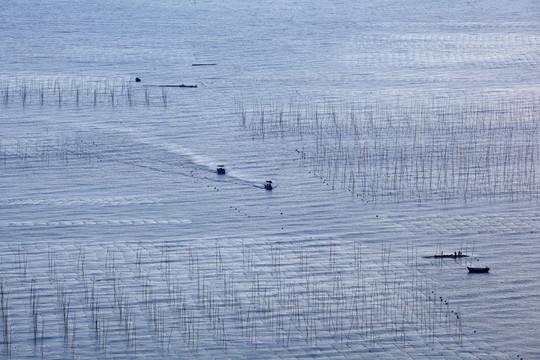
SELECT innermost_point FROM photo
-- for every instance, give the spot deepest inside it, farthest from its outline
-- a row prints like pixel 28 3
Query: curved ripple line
pixel 115 222
pixel 113 201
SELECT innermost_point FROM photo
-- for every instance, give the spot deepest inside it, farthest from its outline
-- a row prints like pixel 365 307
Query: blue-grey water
pixel 117 238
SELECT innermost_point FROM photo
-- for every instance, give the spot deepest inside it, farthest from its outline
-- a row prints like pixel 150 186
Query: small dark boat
pixel 178 86
pixel 478 269
pixel 137 79
pixel 268 185
pixel 220 170
pixel 455 255
pixel 173 86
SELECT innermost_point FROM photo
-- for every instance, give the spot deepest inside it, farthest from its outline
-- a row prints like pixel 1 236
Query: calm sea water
pixel 97 169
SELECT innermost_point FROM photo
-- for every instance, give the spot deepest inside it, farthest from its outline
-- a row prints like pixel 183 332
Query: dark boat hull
pixel 446 256
pixel 179 86
pixel 478 270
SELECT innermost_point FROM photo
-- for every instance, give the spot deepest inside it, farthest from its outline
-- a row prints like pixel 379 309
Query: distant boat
pixel 173 86
pixel 220 170
pixel 455 255
pixel 478 269
pixel 178 86
pixel 268 185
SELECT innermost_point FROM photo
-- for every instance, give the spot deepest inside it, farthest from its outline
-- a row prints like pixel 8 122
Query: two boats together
pixel 457 255
pixel 268 185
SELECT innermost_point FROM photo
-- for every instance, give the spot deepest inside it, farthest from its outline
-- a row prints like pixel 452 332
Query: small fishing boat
pixel 173 86
pixel 178 86
pixel 478 269
pixel 455 255
pixel 268 185
pixel 220 170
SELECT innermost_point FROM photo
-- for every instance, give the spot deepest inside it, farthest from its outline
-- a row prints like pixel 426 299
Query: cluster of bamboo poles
pixel 264 294
pixel 80 92
pixel 401 152
pixel 46 151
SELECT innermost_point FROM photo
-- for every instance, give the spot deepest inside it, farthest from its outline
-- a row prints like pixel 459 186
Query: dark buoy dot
pixel 137 79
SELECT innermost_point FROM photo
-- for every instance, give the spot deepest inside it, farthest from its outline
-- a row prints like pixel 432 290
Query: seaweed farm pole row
pixel 80 92
pixel 413 152
pixel 216 304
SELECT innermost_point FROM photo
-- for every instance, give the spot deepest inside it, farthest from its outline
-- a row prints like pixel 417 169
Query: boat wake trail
pixel 160 155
